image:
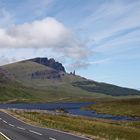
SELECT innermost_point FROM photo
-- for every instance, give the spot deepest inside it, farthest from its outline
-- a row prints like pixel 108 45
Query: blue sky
pixel 98 38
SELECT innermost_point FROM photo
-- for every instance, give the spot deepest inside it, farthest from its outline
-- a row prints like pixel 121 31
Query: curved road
pixel 17 130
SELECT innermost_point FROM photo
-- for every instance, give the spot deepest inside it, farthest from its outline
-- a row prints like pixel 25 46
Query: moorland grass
pixel 96 129
pixel 123 107
pixel 2 138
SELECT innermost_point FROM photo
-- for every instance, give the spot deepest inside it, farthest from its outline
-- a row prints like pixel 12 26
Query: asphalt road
pixel 17 130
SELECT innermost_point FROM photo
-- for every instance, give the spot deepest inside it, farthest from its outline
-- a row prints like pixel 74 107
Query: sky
pixel 100 39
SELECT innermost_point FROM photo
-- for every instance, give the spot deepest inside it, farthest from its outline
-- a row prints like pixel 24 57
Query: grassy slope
pixel 2 138
pixel 123 107
pixel 108 89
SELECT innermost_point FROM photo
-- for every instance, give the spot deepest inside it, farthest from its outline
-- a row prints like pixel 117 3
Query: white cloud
pixel 36 34
pixel 46 33
pixel 102 61
pixel 109 19
pixel 5 60
pixel 86 64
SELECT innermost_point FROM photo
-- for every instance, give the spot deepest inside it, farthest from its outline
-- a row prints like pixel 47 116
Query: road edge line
pixel 5 136
pixel 68 133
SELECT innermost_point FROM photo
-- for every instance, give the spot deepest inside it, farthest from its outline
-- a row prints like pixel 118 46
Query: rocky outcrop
pixel 50 63
pixel 46 74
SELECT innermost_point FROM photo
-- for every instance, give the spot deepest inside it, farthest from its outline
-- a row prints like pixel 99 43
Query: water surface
pixel 71 108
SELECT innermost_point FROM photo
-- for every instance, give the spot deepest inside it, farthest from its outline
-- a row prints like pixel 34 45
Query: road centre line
pixel 4 121
pixel 11 125
pixel 35 132
pixel 21 128
pixel 51 138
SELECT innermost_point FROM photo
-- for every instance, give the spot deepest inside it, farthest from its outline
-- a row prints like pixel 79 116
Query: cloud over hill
pixel 46 33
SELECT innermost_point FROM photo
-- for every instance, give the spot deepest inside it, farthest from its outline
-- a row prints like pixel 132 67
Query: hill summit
pixel 49 62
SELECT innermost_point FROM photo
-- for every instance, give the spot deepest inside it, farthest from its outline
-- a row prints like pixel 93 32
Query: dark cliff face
pixel 50 63
pixel 47 74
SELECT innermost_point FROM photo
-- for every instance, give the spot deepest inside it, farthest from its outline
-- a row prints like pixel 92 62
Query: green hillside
pixel 10 89
pixel 33 82
pixel 108 89
pixel 23 88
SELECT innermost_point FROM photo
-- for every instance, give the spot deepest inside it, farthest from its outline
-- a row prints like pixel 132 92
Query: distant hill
pixel 43 80
pixel 108 89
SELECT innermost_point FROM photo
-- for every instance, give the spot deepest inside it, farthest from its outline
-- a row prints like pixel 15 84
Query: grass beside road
pixel 123 107
pixel 95 129
pixel 2 138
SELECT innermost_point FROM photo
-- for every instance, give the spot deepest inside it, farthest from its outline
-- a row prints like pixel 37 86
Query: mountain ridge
pixel 37 82
pixel 49 62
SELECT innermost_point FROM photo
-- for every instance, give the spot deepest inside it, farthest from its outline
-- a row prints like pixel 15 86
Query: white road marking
pixel 51 138
pixel 21 128
pixel 46 128
pixel 11 125
pixel 5 136
pixel 4 121
pixel 0 118
pixel 35 132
